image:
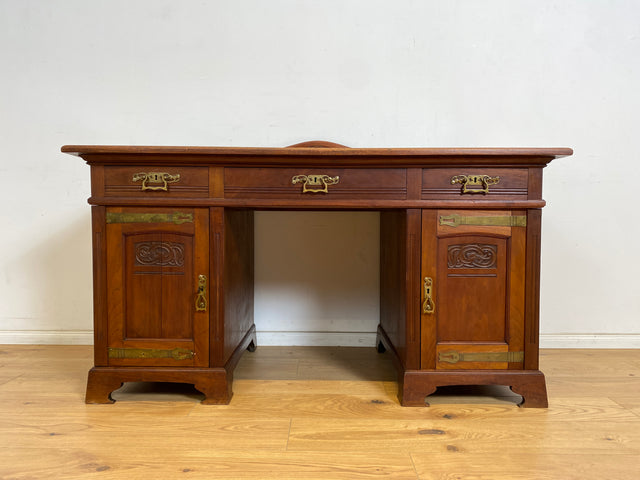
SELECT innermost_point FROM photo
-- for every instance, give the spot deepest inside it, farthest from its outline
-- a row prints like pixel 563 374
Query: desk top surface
pixel 315 148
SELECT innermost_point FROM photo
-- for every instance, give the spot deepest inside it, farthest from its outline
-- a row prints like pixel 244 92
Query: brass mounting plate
pixel 128 217
pixel 455 220
pixel 453 356
pixel 131 353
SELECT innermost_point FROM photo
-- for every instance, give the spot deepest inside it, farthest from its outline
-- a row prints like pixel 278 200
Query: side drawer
pixel 156 181
pixel 474 183
pixel 316 183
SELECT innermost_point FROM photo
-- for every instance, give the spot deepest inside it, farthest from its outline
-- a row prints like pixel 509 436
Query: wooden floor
pixel 321 413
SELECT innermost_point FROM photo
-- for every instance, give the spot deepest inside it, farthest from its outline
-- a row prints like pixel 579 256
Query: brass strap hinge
pixel 453 356
pixel 175 217
pixel 455 220
pixel 176 353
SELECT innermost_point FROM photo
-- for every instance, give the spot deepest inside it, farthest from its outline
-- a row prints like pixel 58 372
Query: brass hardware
pixel 453 356
pixel 175 217
pixel 482 181
pixel 315 183
pixel 175 354
pixel 159 180
pixel 428 306
pixel 455 220
pixel 201 295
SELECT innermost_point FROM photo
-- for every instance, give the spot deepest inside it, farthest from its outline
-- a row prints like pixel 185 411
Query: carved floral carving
pixel 159 254
pixel 472 255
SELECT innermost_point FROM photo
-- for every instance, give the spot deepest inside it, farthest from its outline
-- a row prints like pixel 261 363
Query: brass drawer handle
pixel 159 180
pixel 201 295
pixel 428 306
pixel 315 183
pixel 481 181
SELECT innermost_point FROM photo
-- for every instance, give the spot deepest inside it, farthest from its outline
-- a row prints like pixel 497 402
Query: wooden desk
pixel 459 263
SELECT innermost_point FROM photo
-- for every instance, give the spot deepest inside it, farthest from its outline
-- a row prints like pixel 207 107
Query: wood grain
pixel 294 425
pixel 455 463
pixel 507 156
pixel 150 304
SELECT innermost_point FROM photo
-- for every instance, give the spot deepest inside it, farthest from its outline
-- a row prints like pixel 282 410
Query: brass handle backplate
pixel 158 180
pixel 315 183
pixel 428 306
pixel 201 295
pixel 481 182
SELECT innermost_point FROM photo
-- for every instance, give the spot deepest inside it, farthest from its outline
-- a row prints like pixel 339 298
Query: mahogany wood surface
pixel 100 323
pixel 532 290
pixel 152 271
pixel 238 279
pixel 478 291
pixel 308 148
pixel 512 183
pixel 485 277
pixel 194 181
pixel 528 383
pixel 354 183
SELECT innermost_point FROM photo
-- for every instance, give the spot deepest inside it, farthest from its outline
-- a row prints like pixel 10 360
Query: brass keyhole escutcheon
pixel 428 306
pixel 201 295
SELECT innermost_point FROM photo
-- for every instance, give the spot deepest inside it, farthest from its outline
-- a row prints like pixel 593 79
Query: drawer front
pixel 156 181
pixel 474 183
pixel 315 183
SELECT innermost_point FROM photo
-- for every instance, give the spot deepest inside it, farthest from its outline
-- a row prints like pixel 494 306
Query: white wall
pixel 364 73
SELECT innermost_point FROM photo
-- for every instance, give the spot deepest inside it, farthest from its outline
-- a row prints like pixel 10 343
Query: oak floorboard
pixel 591 386
pixel 478 436
pixel 595 362
pixel 150 434
pixel 455 464
pixel 90 463
pixel 630 403
pixel 316 413
pixel 366 406
pixel 312 387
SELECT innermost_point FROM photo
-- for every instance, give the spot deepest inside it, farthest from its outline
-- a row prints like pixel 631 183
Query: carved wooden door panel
pixel 158 282
pixel 473 289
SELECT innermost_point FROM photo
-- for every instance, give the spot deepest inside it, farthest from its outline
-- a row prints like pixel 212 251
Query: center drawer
pixel 316 183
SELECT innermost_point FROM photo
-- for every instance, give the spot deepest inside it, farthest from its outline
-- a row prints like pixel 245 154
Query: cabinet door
pixel 158 286
pixel 473 289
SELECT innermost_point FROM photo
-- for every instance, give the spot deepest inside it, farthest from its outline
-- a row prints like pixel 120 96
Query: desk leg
pixel 215 383
pixel 100 386
pixel 415 385
pixel 418 384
